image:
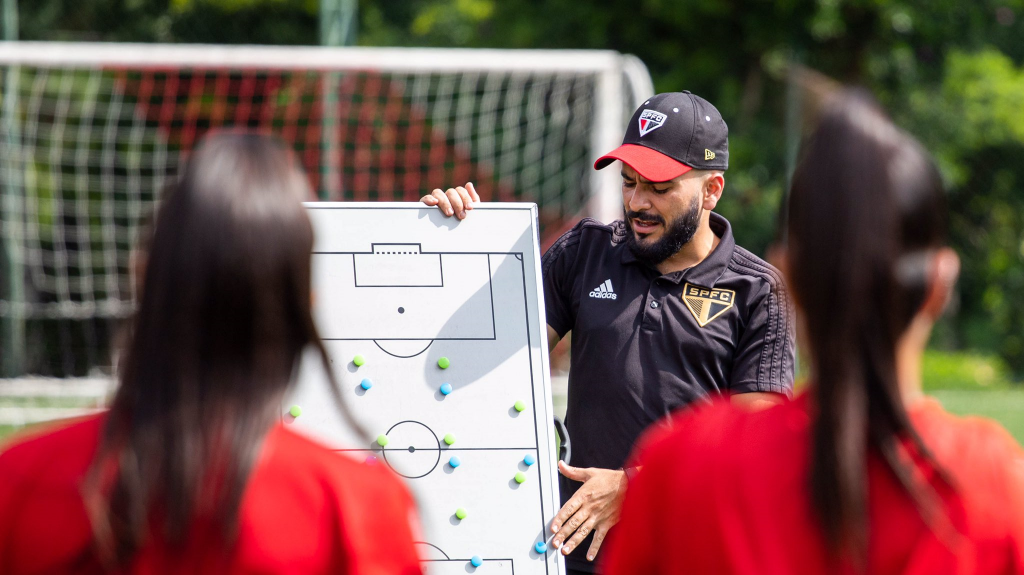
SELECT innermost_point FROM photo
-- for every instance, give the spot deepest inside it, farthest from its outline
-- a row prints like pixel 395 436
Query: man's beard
pixel 676 235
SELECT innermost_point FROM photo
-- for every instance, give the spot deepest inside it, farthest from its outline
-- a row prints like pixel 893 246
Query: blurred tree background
pixel 949 71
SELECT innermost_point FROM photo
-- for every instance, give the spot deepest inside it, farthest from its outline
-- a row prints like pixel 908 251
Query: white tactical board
pixel 402 286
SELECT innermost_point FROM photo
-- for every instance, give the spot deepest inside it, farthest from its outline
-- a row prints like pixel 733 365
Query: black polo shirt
pixel 645 344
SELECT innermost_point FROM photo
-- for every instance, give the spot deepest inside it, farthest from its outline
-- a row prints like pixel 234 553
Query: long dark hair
pixel 866 211
pixel 223 319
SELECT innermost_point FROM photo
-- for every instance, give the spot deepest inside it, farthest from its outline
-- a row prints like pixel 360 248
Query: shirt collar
pixel 710 269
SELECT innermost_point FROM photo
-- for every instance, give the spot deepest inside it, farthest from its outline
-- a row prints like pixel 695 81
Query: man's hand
pixel 454 202
pixel 594 508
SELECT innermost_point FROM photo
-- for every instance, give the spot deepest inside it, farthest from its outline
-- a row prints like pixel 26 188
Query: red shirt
pixel 305 510
pixel 725 491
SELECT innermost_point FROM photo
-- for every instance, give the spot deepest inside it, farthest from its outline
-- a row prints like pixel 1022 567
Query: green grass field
pixel 975 384
pixel 1003 405
pixel 965 384
pixel 8 402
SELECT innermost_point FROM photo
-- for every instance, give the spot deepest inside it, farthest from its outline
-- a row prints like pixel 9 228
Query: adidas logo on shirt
pixel 604 291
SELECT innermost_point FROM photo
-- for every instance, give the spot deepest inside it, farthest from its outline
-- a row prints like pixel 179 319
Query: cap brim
pixel 650 164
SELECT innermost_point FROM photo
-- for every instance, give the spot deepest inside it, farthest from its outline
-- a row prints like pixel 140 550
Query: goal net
pixel 92 132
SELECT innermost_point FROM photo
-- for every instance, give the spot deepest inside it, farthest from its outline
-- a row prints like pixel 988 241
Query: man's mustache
pixel 631 215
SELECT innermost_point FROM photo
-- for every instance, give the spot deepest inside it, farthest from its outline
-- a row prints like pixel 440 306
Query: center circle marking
pixel 420 464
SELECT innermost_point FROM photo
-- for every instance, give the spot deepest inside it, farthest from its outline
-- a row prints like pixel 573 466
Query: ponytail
pixel 864 196
pixel 223 321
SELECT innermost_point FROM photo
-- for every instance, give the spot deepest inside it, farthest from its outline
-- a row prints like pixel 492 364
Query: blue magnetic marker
pixel 529 459
pixel 366 384
pixel 476 561
pixel 446 388
pixel 541 547
pixel 454 462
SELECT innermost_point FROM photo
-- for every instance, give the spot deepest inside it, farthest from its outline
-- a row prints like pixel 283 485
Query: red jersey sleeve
pixel 9 496
pixel 634 544
pixel 639 543
pixel 987 468
pixel 40 475
pixel 994 468
pixel 1015 503
pixel 378 528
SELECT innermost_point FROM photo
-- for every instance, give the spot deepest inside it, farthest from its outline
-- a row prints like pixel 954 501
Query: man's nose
pixel 638 200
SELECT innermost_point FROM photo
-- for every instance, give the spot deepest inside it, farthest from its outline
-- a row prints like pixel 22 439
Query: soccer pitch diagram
pixel 435 331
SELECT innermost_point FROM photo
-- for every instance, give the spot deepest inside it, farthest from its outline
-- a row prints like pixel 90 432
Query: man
pixel 665 309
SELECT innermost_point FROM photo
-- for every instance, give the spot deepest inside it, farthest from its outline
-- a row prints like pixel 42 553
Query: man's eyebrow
pixel 640 179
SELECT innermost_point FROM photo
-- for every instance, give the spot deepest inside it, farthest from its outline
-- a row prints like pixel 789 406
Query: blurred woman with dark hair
pixel 861 473
pixel 191 471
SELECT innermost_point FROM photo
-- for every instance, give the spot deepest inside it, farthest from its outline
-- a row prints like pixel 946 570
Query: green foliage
pixel 964 371
pixel 230 6
pixel 989 91
pixel 201 21
pixel 973 124
pixel 458 18
pixel 287 22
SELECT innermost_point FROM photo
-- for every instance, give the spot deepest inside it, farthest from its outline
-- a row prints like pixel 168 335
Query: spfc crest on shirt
pixel 707 304
pixel 650 120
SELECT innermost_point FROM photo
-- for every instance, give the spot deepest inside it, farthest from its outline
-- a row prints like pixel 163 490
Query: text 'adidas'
pixel 604 291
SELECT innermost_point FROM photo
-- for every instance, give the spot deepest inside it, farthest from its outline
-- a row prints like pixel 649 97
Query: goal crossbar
pixel 75 54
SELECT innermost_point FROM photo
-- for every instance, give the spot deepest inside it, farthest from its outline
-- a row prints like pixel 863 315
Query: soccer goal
pixel 92 132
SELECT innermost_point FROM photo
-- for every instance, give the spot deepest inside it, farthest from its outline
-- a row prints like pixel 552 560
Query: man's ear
pixel 714 184
pixel 944 270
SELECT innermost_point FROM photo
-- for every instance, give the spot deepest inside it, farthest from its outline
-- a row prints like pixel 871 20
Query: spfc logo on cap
pixel 707 304
pixel 650 120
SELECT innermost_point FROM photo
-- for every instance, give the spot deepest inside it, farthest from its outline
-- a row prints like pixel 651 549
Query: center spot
pixel 401 310
pixel 412 449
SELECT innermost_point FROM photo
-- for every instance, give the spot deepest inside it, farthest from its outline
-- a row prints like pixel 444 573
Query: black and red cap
pixel 671 134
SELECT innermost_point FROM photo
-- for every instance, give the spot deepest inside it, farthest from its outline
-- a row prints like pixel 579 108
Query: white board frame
pixel 345 230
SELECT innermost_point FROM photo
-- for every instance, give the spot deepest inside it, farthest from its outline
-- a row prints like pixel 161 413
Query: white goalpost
pixel 92 132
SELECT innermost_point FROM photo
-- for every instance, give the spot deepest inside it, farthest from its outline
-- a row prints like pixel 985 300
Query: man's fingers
pixel 442 201
pixel 456 201
pixel 573 525
pixel 574 473
pixel 595 545
pixel 467 199
pixel 579 536
pixel 567 511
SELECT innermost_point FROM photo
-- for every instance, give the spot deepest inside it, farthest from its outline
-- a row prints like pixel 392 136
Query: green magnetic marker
pixel 443 363
pixel 295 411
pixel 520 406
pixel 382 440
pixel 449 438
pixel 520 477
pixel 460 513
pixel 358 360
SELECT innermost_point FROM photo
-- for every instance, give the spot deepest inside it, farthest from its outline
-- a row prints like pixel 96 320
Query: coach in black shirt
pixel 665 309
